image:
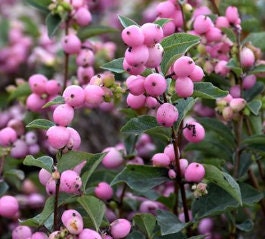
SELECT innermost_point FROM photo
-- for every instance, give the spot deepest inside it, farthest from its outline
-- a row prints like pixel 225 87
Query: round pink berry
pixel 132 36
pixel 21 232
pixel 169 151
pixel 8 206
pixel 7 136
pixel 184 87
pixel 133 70
pixel 155 56
pixel 39 235
pixel 53 87
pixel 83 16
pixel 135 84
pixel 57 136
pixel 232 15
pixel 167 114
pixel 74 95
pixel 249 81
pixel 165 9
pixel 197 74
pixel 194 132
pixel 202 24
pixel 85 58
pixel 183 66
pixel 35 102
pixel 194 172
pixel 160 160
pixel 137 55
pixel 69 214
pixel 155 84
pixel 37 83
pixel 71 44
pixel 19 149
pixel 237 104
pixel 70 182
pixel 89 233
pixel 136 101
pixel 120 228
pixel 103 191
pixel 93 95
pixel 153 33
pixel 63 115
pixel 44 176
pixel 113 158
pixel 74 140
pixel 247 57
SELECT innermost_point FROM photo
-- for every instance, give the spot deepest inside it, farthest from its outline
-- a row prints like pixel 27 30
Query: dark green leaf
pixel 174 46
pixel 255 142
pixel 257 89
pixel 183 106
pixel 129 142
pixel 3 188
pixel 256 39
pixel 230 34
pixel 40 124
pixel 255 124
pixel 31 26
pixel 90 31
pixel 169 222
pixel 45 162
pixel 4 30
pixel 159 133
pixel 57 100
pixel 125 21
pixel 41 5
pixel 146 223
pixel 246 226
pixel 234 66
pixel 254 106
pixel 139 125
pixel 207 90
pixel 53 21
pixel 197 237
pixel 223 180
pixel 258 69
pixel 94 208
pixel 135 235
pixel 92 163
pixel 221 129
pixel 114 66
pixel 142 178
pixel 20 91
pixel 161 21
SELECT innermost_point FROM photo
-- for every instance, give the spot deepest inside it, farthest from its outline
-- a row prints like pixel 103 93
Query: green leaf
pixel 223 180
pixel 141 178
pixel 221 129
pixel 125 21
pixel 139 125
pixel 40 219
pixel 41 5
pixel 256 39
pixel 230 34
pixel 162 21
pixel 45 162
pixel 53 22
pixel 254 106
pixel 30 25
pixel 214 204
pixel 183 106
pixel 3 188
pixel 159 133
pixel 174 46
pixel 57 100
pixel 169 222
pixel 90 31
pixel 135 235
pixel 234 66
pixel 4 30
pixel 146 222
pixel 94 208
pixel 207 90
pixel 20 91
pixel 246 226
pixel 257 89
pixel 93 161
pixel 114 65
pixel 40 124
pixel 255 142
pixel 258 69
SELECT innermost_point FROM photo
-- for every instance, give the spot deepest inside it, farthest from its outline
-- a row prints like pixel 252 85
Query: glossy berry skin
pixel 120 228
pixel 103 191
pixel 8 206
pixel 160 160
pixel 70 182
pixel 167 114
pixel 7 136
pixel 74 95
pixel 183 66
pixel 195 172
pixel 21 232
pixel 184 87
pixel 153 33
pixel 89 233
pixel 194 132
pixel 57 136
pixel 63 115
pixel 132 36
pixel 155 84
pixel 113 158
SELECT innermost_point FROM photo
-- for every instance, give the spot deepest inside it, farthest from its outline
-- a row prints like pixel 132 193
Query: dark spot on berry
pixel 72 96
pixel 128 33
pixel 190 62
pixel 130 49
pixel 153 84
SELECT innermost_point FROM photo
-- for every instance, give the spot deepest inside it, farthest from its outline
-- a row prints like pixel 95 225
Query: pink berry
pixel 71 44
pixel 183 66
pixel 19 149
pixel 153 33
pixel 197 74
pixel 103 191
pixel 83 16
pixel 221 22
pixel 53 87
pixel 113 158
pixel 7 136
pixel 63 115
pixel 135 84
pixel 202 24
pixel 247 57
pixel 214 34
pixel 21 232
pixel 183 163
pixel 237 104
pixel 184 87
pixel 205 225
pixel 84 74
pixel 85 58
pixel 50 186
pixel 74 140
pixel 169 151
pixel 93 95
pixel 69 214
pixel 37 83
pixel 155 84
pixel 249 81
pixel 89 233
pixel 44 176
pixel 133 70
pixel 35 102
pixel 8 206
pixel 165 9
pixel 149 206
pixel 194 132
pixel 57 136
pixel 172 173
pixel 120 228
pixel 169 28
pixel 137 55
pixel 132 36
pixel 232 15
pixel 194 172
pixel 70 182
pixel 39 235
pixel 74 95
pixel 155 56
pixel 160 160
pixel 31 138
pixel 167 114
pixel 74 225
pixel 221 68
pixel 136 101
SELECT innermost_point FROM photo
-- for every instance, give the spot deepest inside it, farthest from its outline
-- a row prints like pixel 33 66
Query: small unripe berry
pixel 120 228
pixel 237 104
pixel 194 172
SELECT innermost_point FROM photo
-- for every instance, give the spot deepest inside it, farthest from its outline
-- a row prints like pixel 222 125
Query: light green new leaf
pixel 125 21
pixel 114 65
